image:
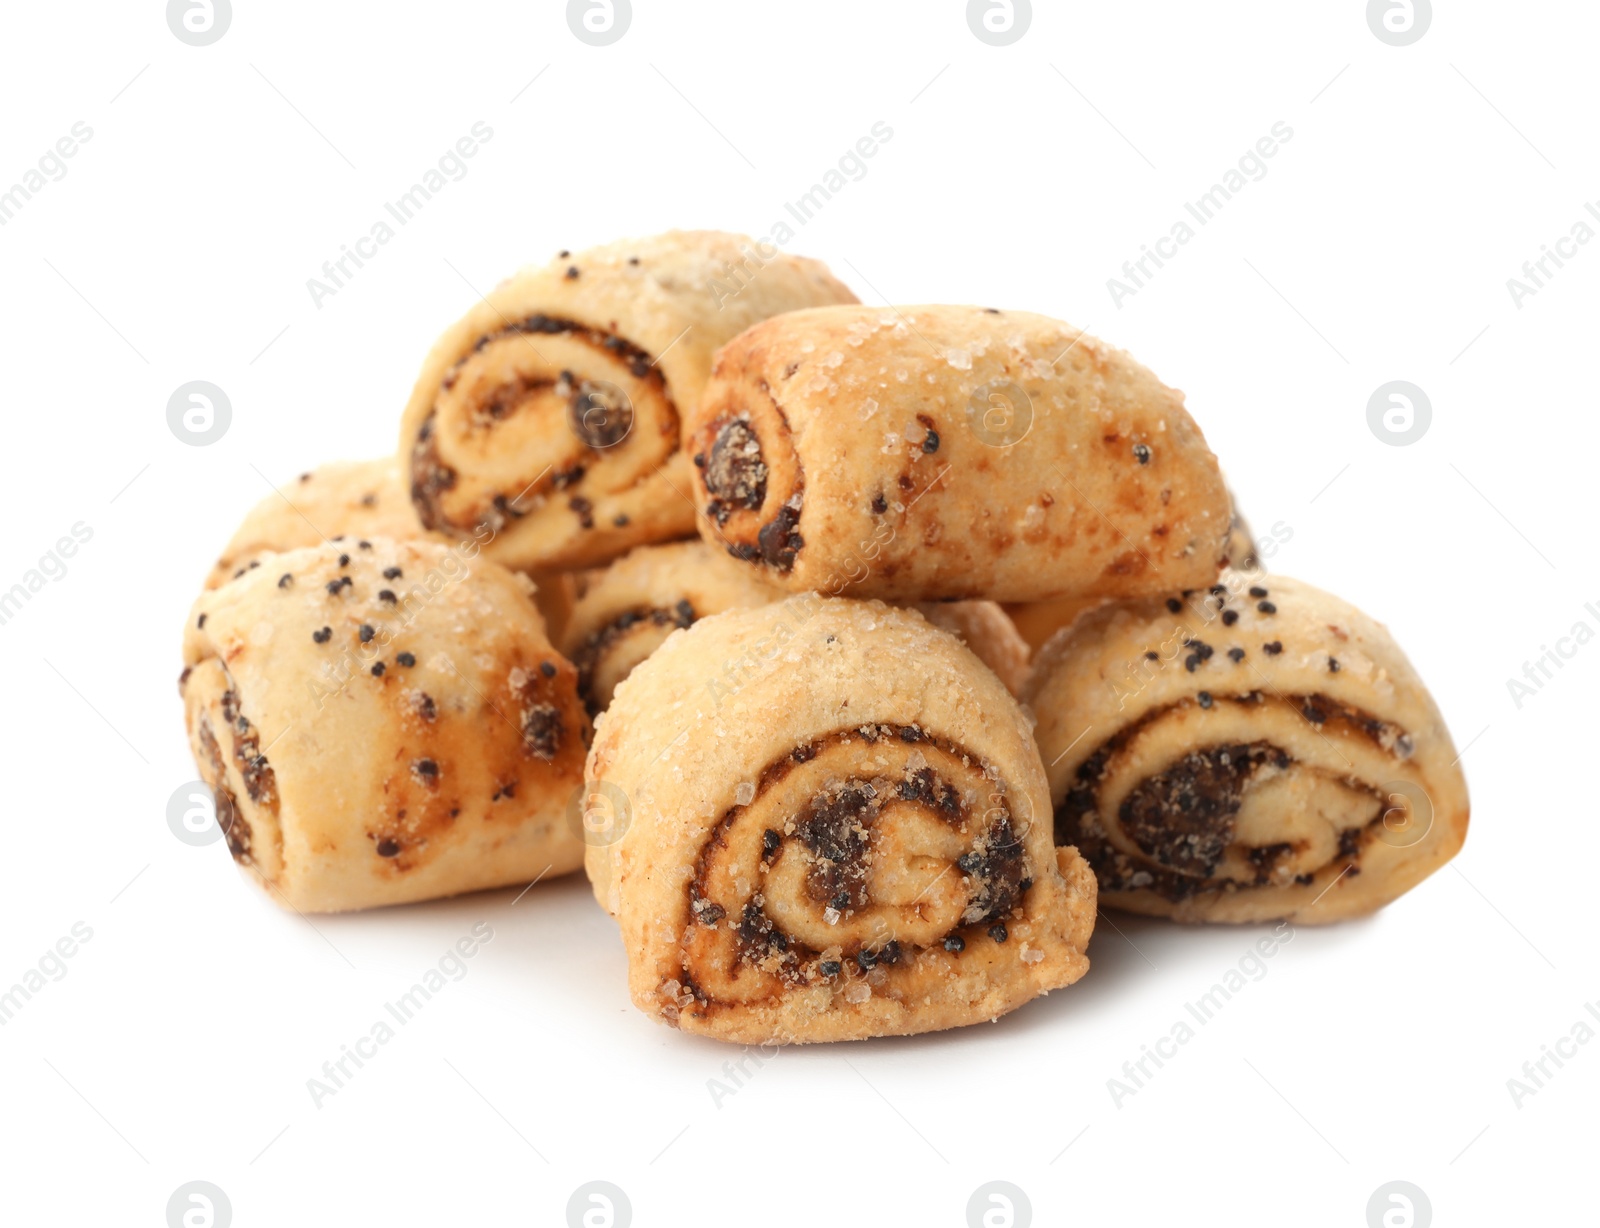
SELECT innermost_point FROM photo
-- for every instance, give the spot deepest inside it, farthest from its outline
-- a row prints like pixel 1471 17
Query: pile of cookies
pixel 694 572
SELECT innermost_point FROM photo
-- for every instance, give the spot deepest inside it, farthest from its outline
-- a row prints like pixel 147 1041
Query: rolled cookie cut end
pixel 849 841
pixel 952 452
pixel 549 416
pixel 382 724
pixel 629 608
pixel 1256 751
pixel 755 487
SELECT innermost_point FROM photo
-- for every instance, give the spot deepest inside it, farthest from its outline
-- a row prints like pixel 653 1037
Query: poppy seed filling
pixel 735 471
pixel 835 829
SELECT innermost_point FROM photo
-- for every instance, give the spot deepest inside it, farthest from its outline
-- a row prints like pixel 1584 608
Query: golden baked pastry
pixel 824 819
pixel 1259 750
pixel 988 633
pixel 1037 621
pixel 353 499
pixel 551 411
pixel 925 453
pixel 384 721
pixel 556 595
pixel 629 607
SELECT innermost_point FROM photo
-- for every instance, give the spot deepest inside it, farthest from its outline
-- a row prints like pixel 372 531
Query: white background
pixel 178 246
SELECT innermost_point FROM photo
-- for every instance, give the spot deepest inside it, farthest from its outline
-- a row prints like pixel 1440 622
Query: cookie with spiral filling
pixel 551 412
pixel 628 609
pixel 384 721
pixel 1255 750
pixel 825 819
pixel 945 452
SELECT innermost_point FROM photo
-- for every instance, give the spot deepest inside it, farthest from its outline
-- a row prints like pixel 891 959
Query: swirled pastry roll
pixel 631 606
pixel 1037 621
pixel 850 838
pixel 946 452
pixel 551 411
pixel 354 499
pixel 384 721
pixel 628 608
pixel 1261 750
